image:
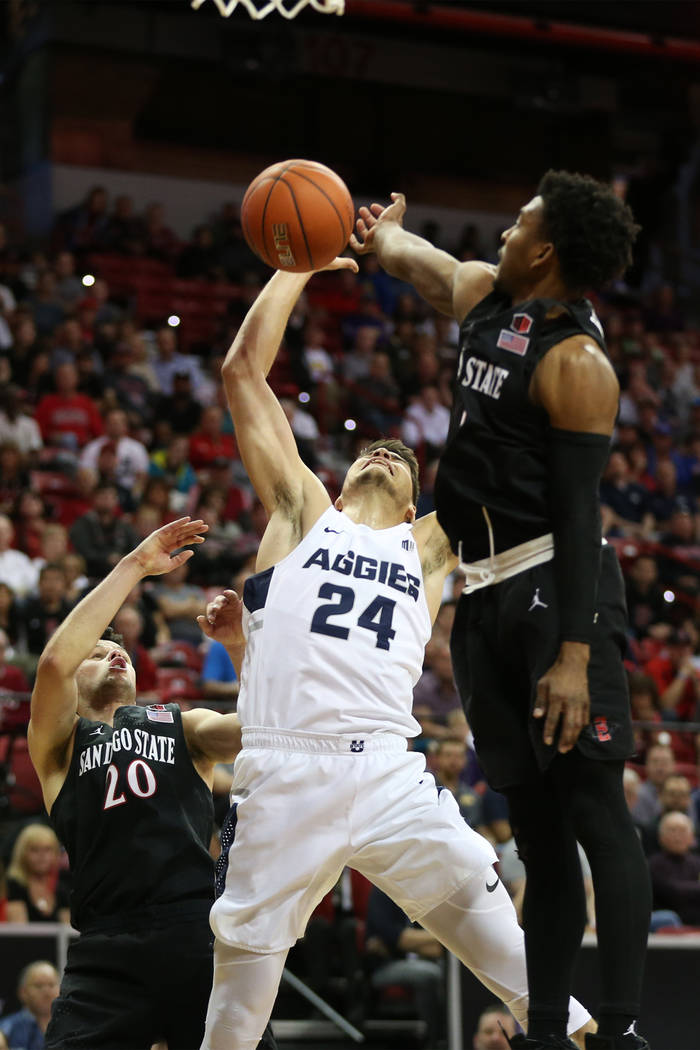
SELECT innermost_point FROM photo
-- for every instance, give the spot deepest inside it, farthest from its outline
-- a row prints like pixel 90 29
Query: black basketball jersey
pixel 135 817
pixel 496 451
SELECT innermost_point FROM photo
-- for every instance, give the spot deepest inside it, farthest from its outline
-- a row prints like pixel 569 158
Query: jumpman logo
pixel 98 732
pixel 536 603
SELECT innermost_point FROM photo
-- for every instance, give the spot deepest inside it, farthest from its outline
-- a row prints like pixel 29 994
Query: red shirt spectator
pixel 67 417
pixel 676 676
pixel 208 443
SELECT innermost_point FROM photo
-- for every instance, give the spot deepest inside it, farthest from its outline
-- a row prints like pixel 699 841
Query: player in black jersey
pixel 128 790
pixel 538 637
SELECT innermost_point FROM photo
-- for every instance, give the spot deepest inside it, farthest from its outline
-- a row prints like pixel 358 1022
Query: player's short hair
pixel 110 635
pixel 407 455
pixel 591 228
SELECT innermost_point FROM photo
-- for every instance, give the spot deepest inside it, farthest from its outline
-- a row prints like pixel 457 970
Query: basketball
pixel 297 215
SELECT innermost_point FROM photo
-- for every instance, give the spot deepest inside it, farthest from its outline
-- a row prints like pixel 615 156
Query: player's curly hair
pixel 407 455
pixel 591 228
pixel 110 635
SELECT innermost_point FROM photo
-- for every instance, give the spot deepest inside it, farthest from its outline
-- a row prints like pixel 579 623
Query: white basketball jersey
pixel 336 633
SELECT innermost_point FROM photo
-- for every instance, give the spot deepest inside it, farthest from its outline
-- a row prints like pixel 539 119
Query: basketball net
pixel 287 8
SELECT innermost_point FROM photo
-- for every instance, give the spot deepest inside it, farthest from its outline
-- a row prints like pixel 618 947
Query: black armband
pixel 576 462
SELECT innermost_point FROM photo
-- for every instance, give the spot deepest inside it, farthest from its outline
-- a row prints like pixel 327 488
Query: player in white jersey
pixel 336 619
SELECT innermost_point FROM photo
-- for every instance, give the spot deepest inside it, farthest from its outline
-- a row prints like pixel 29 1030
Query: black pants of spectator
pixel 580 798
pixel 326 941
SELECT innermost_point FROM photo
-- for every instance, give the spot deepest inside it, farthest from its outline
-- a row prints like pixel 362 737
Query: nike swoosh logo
pixel 336 531
pixel 490 889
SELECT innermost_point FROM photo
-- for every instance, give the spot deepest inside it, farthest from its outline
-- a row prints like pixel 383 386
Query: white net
pixel 286 8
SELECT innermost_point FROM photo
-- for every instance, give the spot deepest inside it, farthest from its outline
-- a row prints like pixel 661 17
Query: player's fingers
pixel 205 626
pixel 570 728
pixel 231 595
pixel 358 246
pixel 541 701
pixel 180 559
pixel 550 723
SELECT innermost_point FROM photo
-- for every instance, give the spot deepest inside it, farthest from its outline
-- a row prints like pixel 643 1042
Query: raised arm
pixel 54 706
pixel 292 495
pixel 437 559
pixel 449 286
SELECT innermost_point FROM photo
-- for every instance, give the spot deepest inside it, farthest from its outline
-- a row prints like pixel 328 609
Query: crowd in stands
pixel 113 422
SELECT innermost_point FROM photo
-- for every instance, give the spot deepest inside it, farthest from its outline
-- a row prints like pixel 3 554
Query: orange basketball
pixel 297 215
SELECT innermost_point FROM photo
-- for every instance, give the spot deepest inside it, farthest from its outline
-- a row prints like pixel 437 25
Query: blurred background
pixel 128 134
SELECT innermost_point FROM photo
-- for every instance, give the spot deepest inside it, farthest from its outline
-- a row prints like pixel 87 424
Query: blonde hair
pixel 27 837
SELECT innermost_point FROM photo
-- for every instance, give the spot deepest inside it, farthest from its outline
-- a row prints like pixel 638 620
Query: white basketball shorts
pixel 305 805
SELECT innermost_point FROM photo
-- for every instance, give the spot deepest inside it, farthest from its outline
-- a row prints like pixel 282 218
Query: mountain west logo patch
pixel 521 323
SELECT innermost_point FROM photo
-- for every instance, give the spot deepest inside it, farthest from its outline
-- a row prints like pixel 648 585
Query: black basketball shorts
pixel 505 637
pixel 127 990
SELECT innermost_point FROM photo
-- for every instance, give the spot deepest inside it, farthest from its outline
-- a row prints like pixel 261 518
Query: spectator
pixel 623 501
pixel 376 402
pixel 123 232
pixel 45 303
pixel 209 443
pixel 14 476
pixel 677 565
pixel 16 569
pixel 658 766
pixel 436 703
pixel 173 467
pixel 9 613
pixel 12 679
pixel 24 347
pixel 29 515
pixel 16 427
pixel 180 603
pixel 667 499
pixel 54 544
pixel 631 783
pixel 402 953
pixel 219 679
pixel 200 258
pixel 496 1025
pixel 675 870
pixel 305 430
pixel 37 987
pixel 449 765
pixel 180 408
pixel 67 418
pixel 99 535
pixel 74 567
pixel 126 385
pixel 168 362
pixel 69 287
pixel 34 893
pixel 426 422
pixel 677 677
pixel 159 240
pixel 356 364
pixel 646 606
pixel 132 460
pixel 42 613
pixel 80 228
pixel 674 797
pixel 129 624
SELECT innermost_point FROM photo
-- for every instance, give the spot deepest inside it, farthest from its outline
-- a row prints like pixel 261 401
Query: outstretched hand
pixel 362 242
pixel 222 621
pixel 156 554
